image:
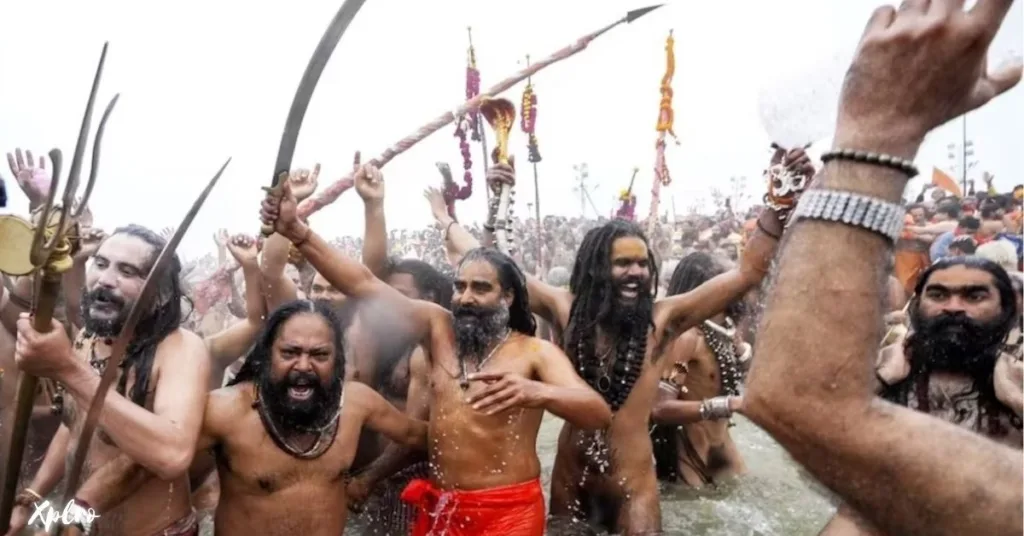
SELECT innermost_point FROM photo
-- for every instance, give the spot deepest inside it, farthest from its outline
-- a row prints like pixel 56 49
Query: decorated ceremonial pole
pixel 467 123
pixel 472 90
pixel 666 117
pixel 528 122
pixel 329 194
pixel 44 248
pixel 627 201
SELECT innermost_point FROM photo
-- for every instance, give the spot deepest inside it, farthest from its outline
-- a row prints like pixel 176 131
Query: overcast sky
pixel 201 81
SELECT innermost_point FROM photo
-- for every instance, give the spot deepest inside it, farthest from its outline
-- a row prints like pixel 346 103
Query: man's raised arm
pixel 347 275
pixel 915 69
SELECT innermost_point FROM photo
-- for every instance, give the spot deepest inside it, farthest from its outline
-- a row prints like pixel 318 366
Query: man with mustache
pixel 284 431
pixel 490 383
pixel 153 415
pixel 614 332
pixel 960 316
pixel 953 364
pixel 291 390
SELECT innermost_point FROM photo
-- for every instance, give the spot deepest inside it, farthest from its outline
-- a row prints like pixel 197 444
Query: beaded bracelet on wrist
pixel 876 159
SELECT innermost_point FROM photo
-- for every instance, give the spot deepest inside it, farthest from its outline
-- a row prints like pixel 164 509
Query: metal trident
pixel 49 255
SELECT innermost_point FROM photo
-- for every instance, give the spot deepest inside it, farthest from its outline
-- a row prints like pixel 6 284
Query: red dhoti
pixel 516 510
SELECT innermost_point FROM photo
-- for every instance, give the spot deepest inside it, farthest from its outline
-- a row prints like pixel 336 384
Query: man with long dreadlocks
pixel 954 364
pixel 155 414
pixel 614 331
pixel 291 389
pixel 704 370
pixel 490 383
pixel 284 431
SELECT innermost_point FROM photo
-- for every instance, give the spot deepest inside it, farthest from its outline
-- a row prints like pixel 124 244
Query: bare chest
pixel 250 462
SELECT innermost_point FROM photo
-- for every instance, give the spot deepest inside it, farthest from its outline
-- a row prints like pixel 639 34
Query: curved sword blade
pixel 304 93
pixel 117 352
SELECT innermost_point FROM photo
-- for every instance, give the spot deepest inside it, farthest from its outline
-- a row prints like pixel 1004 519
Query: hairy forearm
pixel 255 305
pixel 676 412
pixel 867 450
pixel 151 440
pixel 460 239
pixel 394 458
pixel 236 304
pixel 580 407
pixel 113 483
pixel 274 257
pixel 375 238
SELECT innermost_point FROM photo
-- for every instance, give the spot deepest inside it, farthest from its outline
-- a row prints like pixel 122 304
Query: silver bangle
pixel 715 408
pixel 869 213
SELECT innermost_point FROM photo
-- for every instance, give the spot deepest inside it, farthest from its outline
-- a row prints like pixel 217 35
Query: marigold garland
pixel 666 116
pixel 529 119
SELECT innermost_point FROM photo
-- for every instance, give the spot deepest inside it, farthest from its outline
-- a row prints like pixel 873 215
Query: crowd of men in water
pixel 412 395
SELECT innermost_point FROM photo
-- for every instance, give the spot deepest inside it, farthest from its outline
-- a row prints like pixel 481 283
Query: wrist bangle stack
pixel 869 213
pixel 876 159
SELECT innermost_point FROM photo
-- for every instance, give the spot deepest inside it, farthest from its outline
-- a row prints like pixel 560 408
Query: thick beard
pixel 300 416
pixel 626 316
pixel 104 327
pixel 954 343
pixel 476 328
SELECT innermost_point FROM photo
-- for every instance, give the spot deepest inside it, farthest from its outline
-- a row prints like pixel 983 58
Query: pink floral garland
pixel 470 122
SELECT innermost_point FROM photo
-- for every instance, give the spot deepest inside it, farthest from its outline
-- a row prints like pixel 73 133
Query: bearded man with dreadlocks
pixel 692 444
pixel 954 363
pixel 153 418
pixel 614 331
pixel 490 383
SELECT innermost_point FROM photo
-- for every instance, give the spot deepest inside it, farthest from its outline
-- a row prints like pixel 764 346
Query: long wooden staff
pixel 328 195
pixel 49 257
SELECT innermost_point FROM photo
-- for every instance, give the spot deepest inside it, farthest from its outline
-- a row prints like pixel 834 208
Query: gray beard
pixel 475 334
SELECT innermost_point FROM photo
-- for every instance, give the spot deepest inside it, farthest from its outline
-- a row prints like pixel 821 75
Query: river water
pixel 774 498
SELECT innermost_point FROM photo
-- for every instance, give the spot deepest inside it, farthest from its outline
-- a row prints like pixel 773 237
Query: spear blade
pixel 637 13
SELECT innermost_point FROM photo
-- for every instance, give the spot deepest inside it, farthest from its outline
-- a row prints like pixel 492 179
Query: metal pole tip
pixel 637 13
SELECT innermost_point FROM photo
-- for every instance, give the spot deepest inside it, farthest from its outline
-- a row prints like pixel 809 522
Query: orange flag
pixel 941 179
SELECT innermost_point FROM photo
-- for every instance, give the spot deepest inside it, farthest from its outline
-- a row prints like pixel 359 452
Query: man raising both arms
pixel 490 382
pixel 614 331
